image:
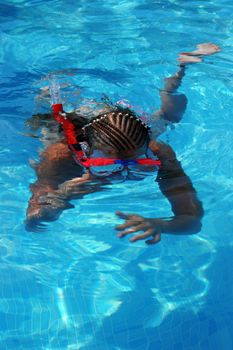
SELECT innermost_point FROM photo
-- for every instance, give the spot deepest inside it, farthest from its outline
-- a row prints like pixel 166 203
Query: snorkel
pixel 68 127
pixel 79 145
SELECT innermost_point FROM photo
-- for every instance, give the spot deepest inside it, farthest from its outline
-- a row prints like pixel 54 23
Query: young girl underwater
pixel 111 145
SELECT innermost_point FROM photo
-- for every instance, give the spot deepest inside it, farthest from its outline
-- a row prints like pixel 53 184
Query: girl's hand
pixel 45 208
pixel 135 223
pixel 188 59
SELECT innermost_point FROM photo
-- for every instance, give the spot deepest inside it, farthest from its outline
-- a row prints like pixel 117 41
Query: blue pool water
pixel 77 286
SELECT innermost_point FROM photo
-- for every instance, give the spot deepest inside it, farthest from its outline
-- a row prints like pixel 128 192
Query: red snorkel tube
pixel 69 131
pixel 67 125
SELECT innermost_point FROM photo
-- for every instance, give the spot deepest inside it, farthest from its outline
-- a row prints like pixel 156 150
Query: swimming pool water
pixel 77 286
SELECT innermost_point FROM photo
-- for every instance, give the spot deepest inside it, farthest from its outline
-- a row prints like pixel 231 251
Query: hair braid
pixel 118 130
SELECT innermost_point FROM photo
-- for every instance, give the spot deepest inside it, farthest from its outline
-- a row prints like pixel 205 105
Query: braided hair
pixel 118 131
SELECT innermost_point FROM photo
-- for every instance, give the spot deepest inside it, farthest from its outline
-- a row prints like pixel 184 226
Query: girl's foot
pixel 203 50
pixel 186 59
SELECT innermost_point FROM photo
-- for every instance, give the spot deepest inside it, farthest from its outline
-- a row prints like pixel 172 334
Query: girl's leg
pixel 173 103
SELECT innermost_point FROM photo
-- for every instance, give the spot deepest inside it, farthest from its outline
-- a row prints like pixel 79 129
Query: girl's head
pixel 119 134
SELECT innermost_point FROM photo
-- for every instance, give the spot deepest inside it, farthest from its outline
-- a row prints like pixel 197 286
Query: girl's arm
pixel 47 202
pixel 178 189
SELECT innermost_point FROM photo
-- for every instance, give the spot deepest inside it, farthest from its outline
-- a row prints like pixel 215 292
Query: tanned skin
pixel 60 179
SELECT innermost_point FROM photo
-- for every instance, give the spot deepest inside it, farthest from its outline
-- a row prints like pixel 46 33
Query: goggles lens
pixel 118 165
pixel 104 170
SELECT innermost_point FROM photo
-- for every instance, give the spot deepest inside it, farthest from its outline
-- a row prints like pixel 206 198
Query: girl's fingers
pixel 135 223
pixel 141 236
pixel 128 216
pixel 155 239
pixel 131 230
pixel 186 53
pixel 36 227
pixel 123 226
pixel 122 215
